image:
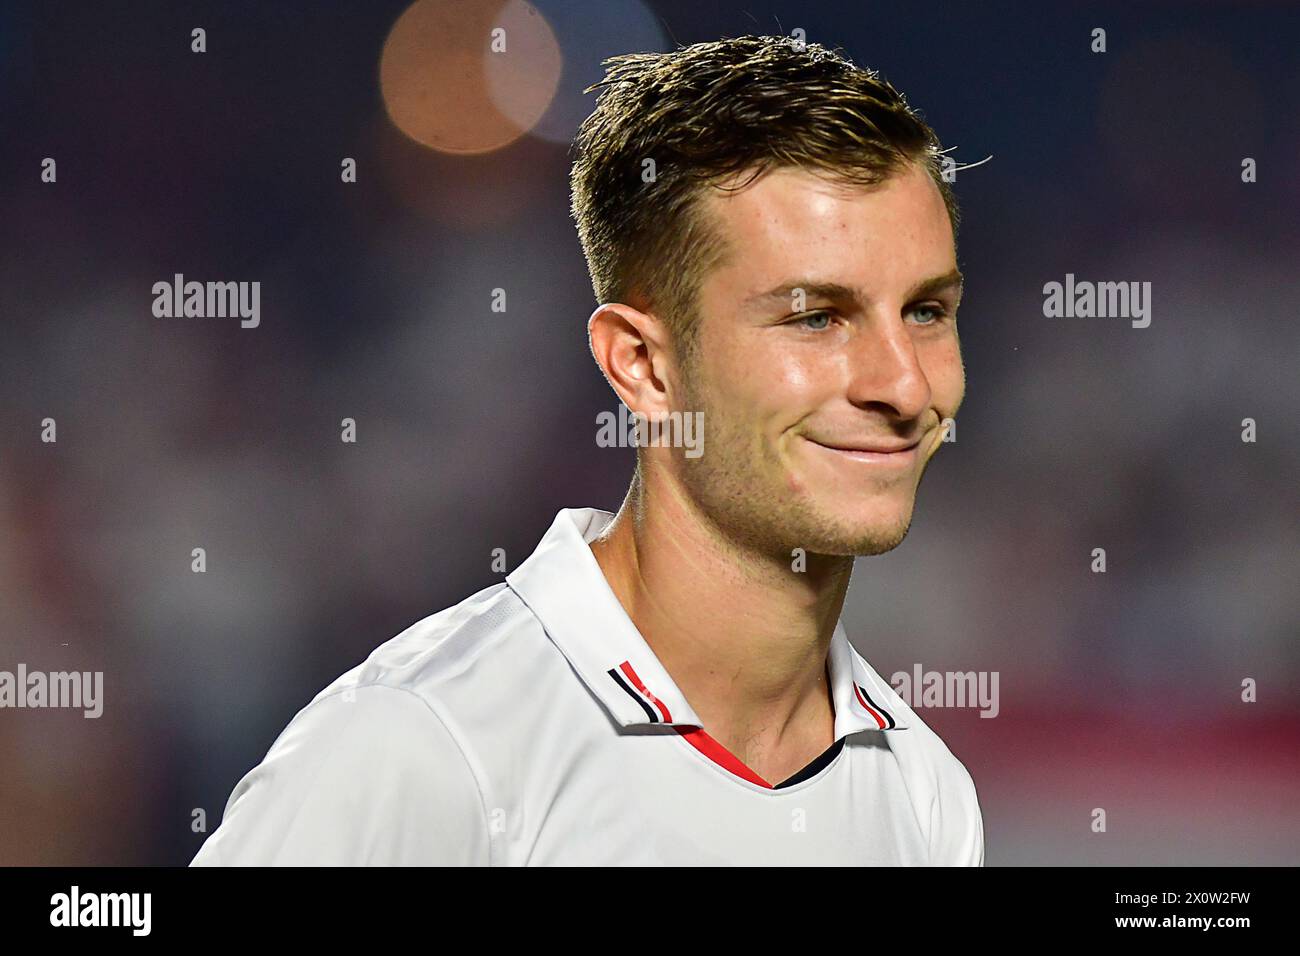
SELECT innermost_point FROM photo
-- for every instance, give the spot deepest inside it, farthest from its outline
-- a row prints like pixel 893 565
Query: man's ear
pixel 632 349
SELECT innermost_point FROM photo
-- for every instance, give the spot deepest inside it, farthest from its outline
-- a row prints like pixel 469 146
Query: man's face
pixel 796 394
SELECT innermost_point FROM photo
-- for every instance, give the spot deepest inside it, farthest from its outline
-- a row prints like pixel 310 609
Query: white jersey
pixel 532 725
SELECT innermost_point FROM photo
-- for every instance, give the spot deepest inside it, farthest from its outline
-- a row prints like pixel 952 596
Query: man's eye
pixel 937 310
pixel 815 320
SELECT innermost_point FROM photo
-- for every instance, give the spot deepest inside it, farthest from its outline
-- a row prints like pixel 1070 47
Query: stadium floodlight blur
pixel 469 77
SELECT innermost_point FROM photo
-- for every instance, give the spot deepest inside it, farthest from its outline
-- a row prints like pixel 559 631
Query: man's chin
pixel 863 544
pixel 863 537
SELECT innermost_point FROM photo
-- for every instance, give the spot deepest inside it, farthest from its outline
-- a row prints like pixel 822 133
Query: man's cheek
pixel 948 382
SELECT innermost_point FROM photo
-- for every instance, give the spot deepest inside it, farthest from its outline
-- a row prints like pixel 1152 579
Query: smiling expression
pixel 827 360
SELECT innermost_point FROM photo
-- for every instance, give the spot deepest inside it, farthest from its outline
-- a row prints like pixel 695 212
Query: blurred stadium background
pixel 1119 690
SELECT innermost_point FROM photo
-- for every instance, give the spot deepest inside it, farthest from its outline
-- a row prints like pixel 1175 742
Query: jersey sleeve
pixel 365 777
pixel 957 821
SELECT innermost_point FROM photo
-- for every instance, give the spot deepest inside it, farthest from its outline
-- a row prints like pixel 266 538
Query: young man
pixel 773 248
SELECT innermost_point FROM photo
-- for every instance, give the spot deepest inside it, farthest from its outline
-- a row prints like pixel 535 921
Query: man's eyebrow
pixel 949 280
pixel 811 288
pixel 814 289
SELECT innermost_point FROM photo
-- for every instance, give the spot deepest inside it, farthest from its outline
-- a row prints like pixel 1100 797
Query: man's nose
pixel 885 368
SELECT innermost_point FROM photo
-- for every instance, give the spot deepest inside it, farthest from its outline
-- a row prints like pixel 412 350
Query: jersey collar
pixel 562 584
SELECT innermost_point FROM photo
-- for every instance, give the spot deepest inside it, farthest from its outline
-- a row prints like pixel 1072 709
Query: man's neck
pixel 743 635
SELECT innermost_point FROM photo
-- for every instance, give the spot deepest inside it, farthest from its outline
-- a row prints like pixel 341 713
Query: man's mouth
pixel 873 452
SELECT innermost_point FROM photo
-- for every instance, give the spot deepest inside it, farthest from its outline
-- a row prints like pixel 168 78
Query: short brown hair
pixel 705 113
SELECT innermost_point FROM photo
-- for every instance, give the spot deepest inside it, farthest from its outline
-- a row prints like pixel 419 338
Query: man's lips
pixel 878 452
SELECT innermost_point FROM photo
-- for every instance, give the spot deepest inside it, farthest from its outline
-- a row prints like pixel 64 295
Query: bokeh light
pixel 469 77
